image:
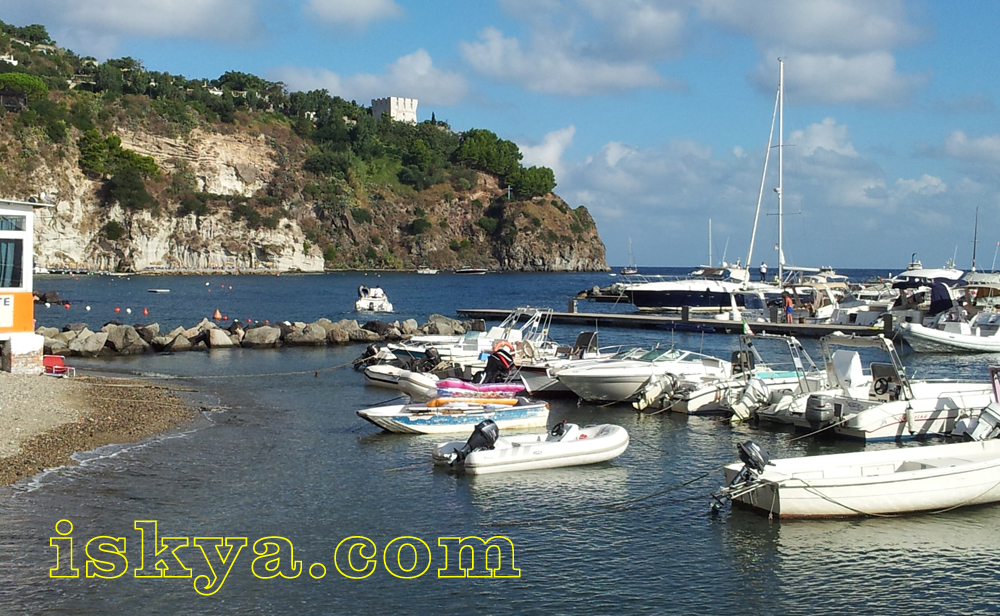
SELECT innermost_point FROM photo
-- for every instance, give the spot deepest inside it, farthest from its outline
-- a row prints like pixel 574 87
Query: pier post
pixel 887 325
pixel 685 314
pixel 572 306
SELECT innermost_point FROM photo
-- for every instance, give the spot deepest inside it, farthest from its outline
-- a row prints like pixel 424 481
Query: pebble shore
pixel 44 420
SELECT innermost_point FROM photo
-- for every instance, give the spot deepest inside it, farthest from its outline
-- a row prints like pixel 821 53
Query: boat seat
pixel 847 367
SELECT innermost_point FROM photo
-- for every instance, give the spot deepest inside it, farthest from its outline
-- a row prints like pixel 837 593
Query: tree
pixel 531 182
pixel 32 87
pixel 483 150
pixel 127 188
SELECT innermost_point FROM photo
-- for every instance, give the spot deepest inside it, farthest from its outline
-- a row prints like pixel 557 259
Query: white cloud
pixel 552 66
pixel 411 76
pixel 662 197
pixel 851 26
pixel 827 135
pixel 868 78
pixel 549 152
pixel 94 27
pixel 354 13
pixel 836 51
pixel 639 28
pixel 979 149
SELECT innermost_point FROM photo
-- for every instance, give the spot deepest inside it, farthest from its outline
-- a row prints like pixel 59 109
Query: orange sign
pixel 17 312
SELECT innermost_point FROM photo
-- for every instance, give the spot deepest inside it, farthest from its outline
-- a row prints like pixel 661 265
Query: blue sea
pixel 283 455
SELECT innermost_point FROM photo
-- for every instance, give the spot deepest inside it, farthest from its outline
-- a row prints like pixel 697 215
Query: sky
pixel 654 114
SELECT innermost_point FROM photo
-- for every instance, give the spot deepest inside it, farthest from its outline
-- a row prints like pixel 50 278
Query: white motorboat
pixel 755 381
pixel 952 333
pixel 526 330
pixel 566 444
pixel 891 481
pixel 622 380
pixel 895 407
pixel 538 375
pixel 450 415
pixel 426 270
pixel 372 299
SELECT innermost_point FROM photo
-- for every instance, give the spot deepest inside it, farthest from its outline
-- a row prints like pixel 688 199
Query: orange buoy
pixel 217 315
pixel 66 305
pixel 248 320
pixel 145 311
pixel 117 309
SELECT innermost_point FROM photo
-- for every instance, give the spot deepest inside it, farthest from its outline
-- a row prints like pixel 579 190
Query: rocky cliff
pixel 310 225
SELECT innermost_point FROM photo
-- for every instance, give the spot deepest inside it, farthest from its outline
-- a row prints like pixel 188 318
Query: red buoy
pixel 225 318
pixel 145 311
pixel 117 309
pixel 66 305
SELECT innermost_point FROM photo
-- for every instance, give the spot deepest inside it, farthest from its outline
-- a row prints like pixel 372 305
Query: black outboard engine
pixel 753 456
pixel 362 362
pixel 820 412
pixel 429 361
pixel 484 436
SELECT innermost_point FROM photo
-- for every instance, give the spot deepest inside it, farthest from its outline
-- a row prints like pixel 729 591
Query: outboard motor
pixel 484 436
pixel 753 456
pixel 363 361
pixel 429 361
pixel 819 411
pixel 754 459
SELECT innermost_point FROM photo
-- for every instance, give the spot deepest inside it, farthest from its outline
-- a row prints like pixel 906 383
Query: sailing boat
pixel 631 269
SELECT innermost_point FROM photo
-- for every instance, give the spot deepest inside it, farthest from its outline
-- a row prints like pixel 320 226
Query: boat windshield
pixel 630 353
pixel 662 355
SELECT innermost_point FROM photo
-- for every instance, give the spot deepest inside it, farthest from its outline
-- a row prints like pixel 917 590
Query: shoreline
pixel 45 420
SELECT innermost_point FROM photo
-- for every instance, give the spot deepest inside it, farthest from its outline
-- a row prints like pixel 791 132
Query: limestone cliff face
pixel 70 235
pixel 352 224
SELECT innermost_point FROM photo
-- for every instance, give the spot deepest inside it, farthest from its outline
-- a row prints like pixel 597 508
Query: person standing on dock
pixel 763 271
pixel 789 304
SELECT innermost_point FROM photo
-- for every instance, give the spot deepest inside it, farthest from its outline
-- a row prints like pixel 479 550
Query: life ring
pixel 499 344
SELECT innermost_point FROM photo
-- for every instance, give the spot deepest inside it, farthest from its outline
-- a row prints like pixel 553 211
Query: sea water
pixel 279 452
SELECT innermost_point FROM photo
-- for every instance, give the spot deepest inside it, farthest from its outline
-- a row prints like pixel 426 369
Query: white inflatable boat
pixel 565 445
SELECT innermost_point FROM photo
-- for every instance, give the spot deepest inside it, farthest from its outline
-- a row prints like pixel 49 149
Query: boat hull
pixel 606 442
pixel 929 340
pixel 402 419
pixel 884 482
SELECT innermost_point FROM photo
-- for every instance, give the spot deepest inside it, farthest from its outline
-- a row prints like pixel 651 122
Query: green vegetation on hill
pixel 333 156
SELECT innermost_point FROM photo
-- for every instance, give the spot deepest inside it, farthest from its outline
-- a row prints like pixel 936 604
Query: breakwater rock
pixel 115 338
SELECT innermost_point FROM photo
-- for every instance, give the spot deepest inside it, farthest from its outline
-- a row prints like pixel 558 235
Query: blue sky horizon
pixel 653 113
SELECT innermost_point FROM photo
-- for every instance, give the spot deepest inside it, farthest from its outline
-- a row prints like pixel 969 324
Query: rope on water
pixel 170 377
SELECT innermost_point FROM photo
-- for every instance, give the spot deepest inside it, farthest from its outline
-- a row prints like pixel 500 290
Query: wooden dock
pixel 684 323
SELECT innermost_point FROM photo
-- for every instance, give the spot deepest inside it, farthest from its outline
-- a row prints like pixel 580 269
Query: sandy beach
pixel 44 420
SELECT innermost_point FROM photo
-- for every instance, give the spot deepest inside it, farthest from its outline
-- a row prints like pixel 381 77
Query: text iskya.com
pixel 356 557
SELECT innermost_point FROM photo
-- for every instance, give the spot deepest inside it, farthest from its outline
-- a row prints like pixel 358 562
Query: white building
pixel 399 109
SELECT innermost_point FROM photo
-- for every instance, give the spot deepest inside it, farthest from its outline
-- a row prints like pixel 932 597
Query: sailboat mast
pixel 975 240
pixel 710 242
pixel 763 181
pixel 781 163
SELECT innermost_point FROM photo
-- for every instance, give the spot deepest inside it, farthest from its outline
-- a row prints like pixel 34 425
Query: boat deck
pixel 683 322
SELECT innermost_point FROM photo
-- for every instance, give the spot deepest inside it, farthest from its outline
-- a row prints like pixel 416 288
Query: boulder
pixel 347 324
pixel 338 336
pixel 179 343
pixel 136 346
pixel 440 328
pixel 363 335
pixel 325 323
pixel 121 337
pixel 55 347
pixel 160 343
pixel 392 334
pixel 74 327
pixel 379 327
pixel 199 346
pixel 50 297
pixel 236 331
pixel 311 335
pixel 174 332
pixel 456 326
pixel 261 337
pixel 409 327
pixel 148 332
pixel 286 328
pixel 48 332
pixel 65 336
pixel 219 339
pixel 90 345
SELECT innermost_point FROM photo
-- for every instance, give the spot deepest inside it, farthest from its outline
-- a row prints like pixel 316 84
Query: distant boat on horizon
pixel 630 269
pixel 471 270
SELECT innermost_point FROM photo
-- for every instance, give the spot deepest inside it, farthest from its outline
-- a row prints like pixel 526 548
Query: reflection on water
pixel 288 456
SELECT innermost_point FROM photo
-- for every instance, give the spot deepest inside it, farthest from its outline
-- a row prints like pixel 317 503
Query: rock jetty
pixel 115 338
